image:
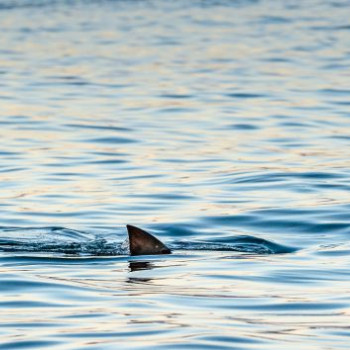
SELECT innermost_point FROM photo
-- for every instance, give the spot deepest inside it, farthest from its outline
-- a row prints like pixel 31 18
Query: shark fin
pixel 143 243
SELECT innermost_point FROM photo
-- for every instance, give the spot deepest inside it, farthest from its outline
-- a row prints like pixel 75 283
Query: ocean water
pixel 221 126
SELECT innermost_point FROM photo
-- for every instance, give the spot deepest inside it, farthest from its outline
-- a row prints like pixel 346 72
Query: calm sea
pixel 221 126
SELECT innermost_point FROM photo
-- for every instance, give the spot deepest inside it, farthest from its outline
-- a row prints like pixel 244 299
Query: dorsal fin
pixel 143 243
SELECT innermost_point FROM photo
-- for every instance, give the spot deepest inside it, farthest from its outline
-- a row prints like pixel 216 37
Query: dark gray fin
pixel 143 243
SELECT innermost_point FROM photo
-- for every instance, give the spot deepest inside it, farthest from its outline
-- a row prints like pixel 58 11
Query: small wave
pixel 57 240
pixel 244 244
pixel 67 241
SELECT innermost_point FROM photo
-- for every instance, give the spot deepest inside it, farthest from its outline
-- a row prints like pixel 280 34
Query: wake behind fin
pixel 143 243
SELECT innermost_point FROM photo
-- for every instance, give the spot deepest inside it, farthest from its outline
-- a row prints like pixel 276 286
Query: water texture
pixel 221 126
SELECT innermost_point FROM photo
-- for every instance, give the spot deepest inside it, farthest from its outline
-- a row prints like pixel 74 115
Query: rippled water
pixel 221 126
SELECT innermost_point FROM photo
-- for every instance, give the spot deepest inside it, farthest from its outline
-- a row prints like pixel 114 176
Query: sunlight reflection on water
pixel 201 122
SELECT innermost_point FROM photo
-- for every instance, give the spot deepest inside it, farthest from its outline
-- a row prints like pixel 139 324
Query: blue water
pixel 221 126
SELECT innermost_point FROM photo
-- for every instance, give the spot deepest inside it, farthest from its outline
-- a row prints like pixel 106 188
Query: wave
pixel 73 242
pixel 57 240
pixel 245 244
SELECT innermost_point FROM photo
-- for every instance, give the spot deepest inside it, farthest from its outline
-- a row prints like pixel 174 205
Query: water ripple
pixel 220 126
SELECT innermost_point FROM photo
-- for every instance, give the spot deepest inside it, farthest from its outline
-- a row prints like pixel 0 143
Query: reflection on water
pixel 220 126
pixel 140 265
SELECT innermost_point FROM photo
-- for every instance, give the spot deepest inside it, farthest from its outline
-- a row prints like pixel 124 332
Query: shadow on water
pixel 140 266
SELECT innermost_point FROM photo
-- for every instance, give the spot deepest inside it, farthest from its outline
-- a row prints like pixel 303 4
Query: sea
pixel 222 127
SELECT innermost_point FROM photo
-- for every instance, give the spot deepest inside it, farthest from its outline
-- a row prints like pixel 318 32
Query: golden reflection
pixel 229 107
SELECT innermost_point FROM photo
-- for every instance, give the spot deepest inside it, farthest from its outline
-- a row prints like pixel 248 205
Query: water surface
pixel 223 127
